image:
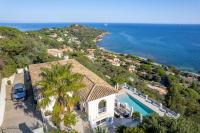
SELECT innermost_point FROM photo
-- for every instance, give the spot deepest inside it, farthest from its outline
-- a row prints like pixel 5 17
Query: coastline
pixel 143 58
pixel 190 64
pixel 189 71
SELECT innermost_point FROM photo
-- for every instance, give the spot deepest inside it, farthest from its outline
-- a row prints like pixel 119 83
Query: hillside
pixel 18 49
pixel 75 36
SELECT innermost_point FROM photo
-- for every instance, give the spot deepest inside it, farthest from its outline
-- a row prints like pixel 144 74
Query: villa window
pixel 101 121
pixel 102 106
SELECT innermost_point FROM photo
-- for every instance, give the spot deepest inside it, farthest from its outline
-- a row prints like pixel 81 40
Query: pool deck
pixel 142 100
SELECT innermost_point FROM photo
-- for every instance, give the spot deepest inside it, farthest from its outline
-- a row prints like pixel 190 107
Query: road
pixel 21 116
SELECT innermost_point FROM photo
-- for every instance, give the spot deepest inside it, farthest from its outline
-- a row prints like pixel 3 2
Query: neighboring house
pixel 114 62
pixel 67 49
pixel 60 39
pixel 132 68
pixel 91 51
pixel 97 99
pixel 59 52
pixel 90 54
pixel 92 58
pixel 53 35
pixel 74 40
pixel 55 52
pixel 1 37
pixel 128 60
pixel 158 87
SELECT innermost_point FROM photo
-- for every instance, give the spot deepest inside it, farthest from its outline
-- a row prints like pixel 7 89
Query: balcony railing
pixel 102 110
pixel 167 111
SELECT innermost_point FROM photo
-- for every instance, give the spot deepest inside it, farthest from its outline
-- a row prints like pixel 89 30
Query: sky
pixel 105 11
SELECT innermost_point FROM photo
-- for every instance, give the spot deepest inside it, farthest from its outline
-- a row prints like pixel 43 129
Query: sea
pixel 169 44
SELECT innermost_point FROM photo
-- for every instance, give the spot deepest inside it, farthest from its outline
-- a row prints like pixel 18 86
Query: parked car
pixel 18 92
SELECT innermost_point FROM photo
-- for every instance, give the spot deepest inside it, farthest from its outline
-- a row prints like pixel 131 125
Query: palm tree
pixel 60 83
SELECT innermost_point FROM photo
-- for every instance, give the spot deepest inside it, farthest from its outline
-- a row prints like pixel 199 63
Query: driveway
pixel 21 116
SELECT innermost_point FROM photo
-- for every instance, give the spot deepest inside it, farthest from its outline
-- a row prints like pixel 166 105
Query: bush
pixel 56 115
pixel 100 130
pixel 69 119
pixel 136 114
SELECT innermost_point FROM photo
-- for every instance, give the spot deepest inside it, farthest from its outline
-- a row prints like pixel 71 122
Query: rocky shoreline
pixel 186 72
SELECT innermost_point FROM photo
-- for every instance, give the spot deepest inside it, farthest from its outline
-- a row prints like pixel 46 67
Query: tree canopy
pixel 57 82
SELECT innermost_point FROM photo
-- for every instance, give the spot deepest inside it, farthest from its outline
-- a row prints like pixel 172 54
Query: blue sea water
pixel 177 45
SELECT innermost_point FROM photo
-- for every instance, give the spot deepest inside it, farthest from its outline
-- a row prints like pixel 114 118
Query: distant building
pixel 157 87
pixel 91 51
pixel 67 49
pixel 55 52
pixel 131 68
pixel 60 39
pixel 74 40
pixel 114 62
pixel 59 52
pixel 53 35
pixel 1 37
pixel 91 54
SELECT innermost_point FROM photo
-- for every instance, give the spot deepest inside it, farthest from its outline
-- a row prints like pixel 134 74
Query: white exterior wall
pixel 50 106
pixel 3 96
pixel 92 109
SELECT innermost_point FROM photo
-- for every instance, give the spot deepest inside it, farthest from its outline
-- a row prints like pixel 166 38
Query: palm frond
pixel 56 82
pixel 44 102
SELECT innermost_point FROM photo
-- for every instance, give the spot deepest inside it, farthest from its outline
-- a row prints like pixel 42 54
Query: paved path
pixel 20 117
pixel 81 125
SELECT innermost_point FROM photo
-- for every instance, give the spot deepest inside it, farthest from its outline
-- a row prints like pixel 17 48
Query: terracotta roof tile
pixel 95 86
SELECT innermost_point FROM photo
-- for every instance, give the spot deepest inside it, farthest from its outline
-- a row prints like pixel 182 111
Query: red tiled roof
pixel 95 86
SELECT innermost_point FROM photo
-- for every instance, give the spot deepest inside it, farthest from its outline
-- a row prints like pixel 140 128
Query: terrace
pixel 148 102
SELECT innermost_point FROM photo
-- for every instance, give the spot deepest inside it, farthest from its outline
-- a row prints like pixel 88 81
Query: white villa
pixel 97 99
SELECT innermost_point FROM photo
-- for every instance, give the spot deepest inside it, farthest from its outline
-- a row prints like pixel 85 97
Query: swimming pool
pixel 137 106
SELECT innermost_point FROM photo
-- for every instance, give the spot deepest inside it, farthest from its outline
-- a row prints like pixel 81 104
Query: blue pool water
pixel 137 106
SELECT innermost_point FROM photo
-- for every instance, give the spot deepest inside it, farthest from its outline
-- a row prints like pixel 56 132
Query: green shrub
pixel 56 115
pixel 136 114
pixel 47 113
pixel 69 119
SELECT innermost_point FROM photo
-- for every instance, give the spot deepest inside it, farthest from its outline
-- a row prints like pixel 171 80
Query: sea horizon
pixel 168 44
pixel 117 22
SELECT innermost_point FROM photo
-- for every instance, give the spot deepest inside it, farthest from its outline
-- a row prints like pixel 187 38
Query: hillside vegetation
pixel 18 49
pixel 75 36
